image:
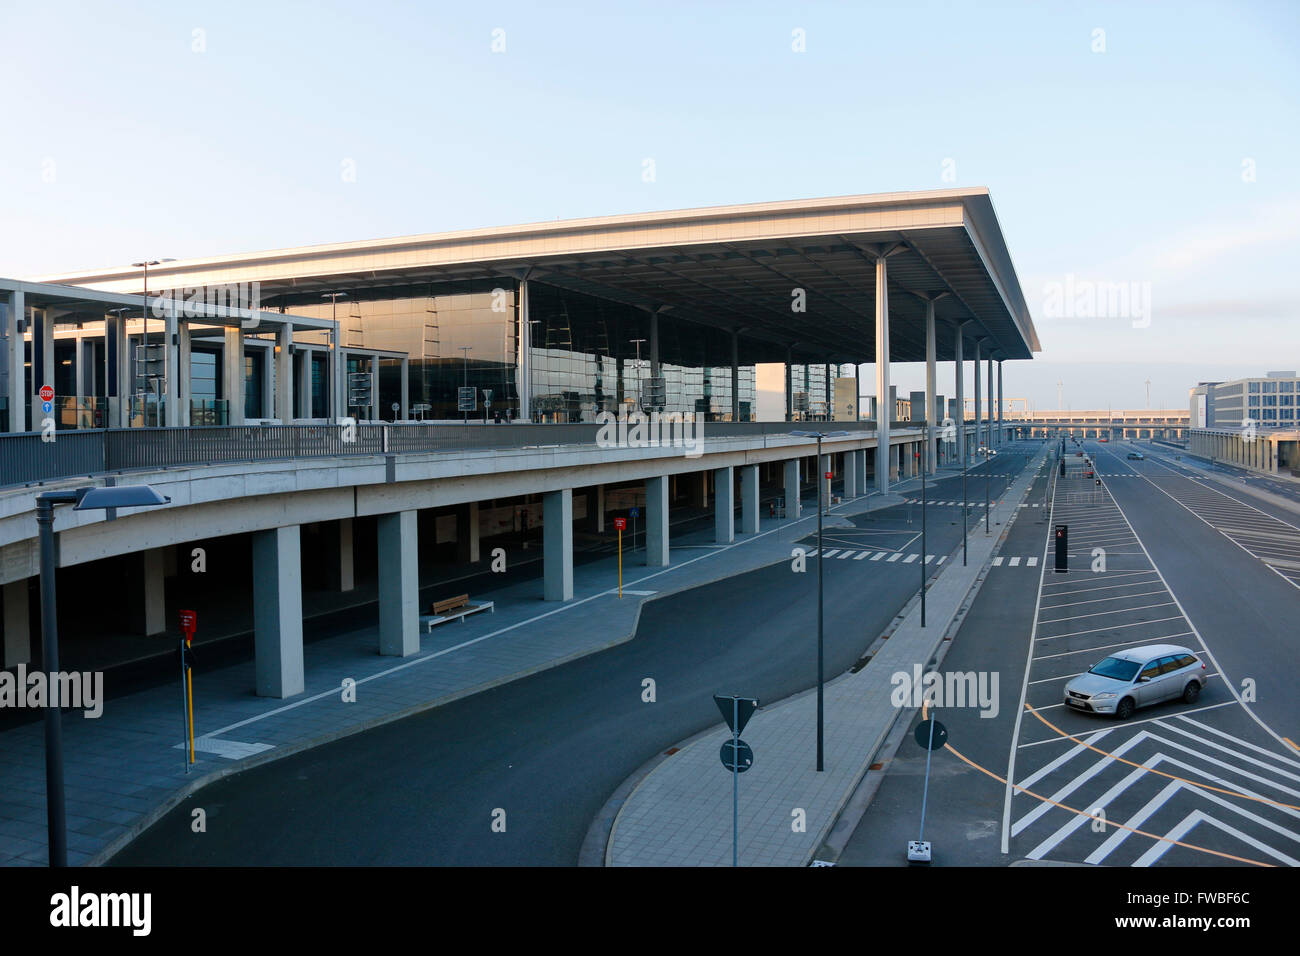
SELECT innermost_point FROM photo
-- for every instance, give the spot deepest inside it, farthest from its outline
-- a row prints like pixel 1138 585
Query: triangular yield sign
pixel 743 710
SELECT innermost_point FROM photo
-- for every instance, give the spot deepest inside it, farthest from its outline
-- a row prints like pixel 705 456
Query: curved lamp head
pixel 118 496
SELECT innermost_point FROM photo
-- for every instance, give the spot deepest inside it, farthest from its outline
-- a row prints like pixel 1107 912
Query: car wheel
pixel 1125 709
pixel 1191 692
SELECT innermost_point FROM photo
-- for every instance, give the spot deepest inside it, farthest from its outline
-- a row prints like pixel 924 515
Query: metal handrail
pixel 27 457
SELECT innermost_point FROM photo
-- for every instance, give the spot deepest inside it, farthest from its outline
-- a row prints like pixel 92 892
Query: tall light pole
pixel 85 499
pixel 925 432
pixel 988 454
pixel 144 315
pixel 821 656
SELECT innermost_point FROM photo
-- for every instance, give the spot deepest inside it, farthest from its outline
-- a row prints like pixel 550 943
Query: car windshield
pixel 1115 668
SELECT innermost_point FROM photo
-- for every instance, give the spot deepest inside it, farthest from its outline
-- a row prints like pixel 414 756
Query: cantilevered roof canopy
pixel 729 267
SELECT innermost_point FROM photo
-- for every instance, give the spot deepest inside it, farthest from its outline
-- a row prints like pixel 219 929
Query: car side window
pixel 1150 671
pixel 1187 660
pixel 1169 664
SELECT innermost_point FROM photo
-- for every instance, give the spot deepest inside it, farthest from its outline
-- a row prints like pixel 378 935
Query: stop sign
pixel 828 476
pixel 47 393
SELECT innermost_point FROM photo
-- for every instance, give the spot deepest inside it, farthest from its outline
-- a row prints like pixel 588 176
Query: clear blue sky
pixel 123 140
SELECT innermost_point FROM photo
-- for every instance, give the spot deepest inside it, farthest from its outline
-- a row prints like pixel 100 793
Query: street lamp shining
pixel 821 657
pixel 85 499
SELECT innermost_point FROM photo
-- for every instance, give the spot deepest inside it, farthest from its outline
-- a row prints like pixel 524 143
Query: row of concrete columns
pixel 1256 453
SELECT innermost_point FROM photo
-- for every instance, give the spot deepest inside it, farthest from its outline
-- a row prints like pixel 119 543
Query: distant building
pixel 1268 402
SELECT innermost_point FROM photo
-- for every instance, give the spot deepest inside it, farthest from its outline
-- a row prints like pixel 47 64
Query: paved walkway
pixel 681 813
pixel 126 769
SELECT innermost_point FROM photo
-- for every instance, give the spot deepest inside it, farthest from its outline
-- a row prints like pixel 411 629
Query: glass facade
pixel 587 354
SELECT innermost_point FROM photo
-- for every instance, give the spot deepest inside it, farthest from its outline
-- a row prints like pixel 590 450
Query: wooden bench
pixel 449 609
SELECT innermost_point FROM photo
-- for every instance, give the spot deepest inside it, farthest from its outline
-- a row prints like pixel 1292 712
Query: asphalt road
pixel 1169 576
pixel 548 750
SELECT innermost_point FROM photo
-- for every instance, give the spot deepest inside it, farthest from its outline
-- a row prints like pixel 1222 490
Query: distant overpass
pixel 1116 424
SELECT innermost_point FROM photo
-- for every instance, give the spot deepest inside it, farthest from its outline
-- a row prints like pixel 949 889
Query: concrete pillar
pixel 1000 400
pixel 302 381
pixel 557 544
pixel 789 385
pixel 345 578
pixel 284 373
pixel 42 362
pixel 749 505
pixel 15 358
pixel 978 410
pixel 704 489
pixel 861 456
pixel 374 389
pixel 115 377
pixel 399 584
pixel 991 427
pixel 792 488
pixel 17 621
pixel 232 375
pixel 960 420
pixel 524 361
pixel 735 375
pixel 931 414
pixel 404 402
pixel 851 475
pixel 184 385
pixel 600 509
pixel 823 483
pixel 724 506
pixel 656 522
pixel 153 603
pixel 277 611
pixel 883 411
pixel 171 362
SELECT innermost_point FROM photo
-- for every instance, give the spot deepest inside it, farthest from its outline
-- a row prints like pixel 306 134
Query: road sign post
pixel 619 525
pixel 931 735
pixel 736 756
pixel 189 624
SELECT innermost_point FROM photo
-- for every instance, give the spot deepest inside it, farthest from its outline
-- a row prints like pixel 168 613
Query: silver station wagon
pixel 1137 677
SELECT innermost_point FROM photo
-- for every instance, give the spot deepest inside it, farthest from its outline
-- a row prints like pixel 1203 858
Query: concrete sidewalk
pixel 126 769
pixel 680 814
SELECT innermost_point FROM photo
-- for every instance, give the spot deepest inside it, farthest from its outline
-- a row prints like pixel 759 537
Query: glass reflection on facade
pixel 583 357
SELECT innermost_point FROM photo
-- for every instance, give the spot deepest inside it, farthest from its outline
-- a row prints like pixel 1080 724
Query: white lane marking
pixel 895 557
pixel 943 558
pixel 230 749
pixel 1189 822
pixel 997 561
pixel 1239 741
pixel 1131 723
pixel 910 558
pixel 831 553
pixel 1032 561
pixel 878 555
pixel 1114 610
pixel 1014 562
pixel 1104 647
pixel 1117 597
pixel 929 558
pixel 1098 630
pixel 1232 687
pixel 860 555
pixel 1097 766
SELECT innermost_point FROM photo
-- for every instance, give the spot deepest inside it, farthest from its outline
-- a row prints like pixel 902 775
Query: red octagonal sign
pixel 47 393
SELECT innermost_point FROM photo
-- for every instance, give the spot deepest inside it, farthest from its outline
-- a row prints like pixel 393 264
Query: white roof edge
pixel 557 225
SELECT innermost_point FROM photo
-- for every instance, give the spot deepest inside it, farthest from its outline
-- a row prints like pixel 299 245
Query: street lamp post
pixel 821 656
pixel 925 431
pixel 85 499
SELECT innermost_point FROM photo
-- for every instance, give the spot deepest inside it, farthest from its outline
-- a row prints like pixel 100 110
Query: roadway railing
pixel 26 459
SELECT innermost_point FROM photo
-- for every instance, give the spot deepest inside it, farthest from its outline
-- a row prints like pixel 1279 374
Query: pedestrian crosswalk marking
pixel 1014 561
pixel 910 558
pixel 861 555
pixel 831 553
pixel 997 561
pixel 878 555
pixel 895 557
